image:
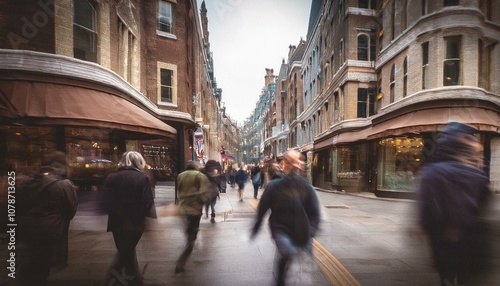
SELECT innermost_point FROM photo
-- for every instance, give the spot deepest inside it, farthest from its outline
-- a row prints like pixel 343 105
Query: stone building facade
pixel 380 80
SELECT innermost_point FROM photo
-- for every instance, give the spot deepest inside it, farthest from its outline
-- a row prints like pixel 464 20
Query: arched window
pixel 84 31
pixel 363 47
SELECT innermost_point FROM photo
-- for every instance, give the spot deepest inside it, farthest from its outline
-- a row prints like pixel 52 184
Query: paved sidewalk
pixel 223 254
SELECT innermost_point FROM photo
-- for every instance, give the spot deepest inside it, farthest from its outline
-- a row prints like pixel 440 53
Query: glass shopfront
pixel 92 153
pixel 351 167
pixel 399 161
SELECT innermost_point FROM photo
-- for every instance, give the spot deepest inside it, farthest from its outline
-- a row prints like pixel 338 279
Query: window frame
pixel 159 31
pixel 425 65
pixel 452 62
pixel 91 32
pixel 173 69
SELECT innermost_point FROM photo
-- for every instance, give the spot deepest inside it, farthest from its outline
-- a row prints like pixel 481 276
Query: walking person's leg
pixel 286 250
pixel 192 227
pixel 212 205
pixel 126 265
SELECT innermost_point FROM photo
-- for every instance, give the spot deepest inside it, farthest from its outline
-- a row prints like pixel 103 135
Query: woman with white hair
pixel 130 202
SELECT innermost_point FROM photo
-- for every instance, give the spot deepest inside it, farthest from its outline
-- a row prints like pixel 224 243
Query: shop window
pixel 25 148
pixel 167 84
pixel 351 164
pixel 158 159
pixel 84 31
pixel 399 162
pixel 90 156
pixel 425 65
pixel 451 66
pixel 165 17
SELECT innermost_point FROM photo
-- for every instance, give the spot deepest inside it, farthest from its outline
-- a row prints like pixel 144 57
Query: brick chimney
pixel 291 50
pixel 269 78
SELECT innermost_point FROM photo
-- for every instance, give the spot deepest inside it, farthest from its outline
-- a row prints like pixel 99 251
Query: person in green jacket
pixel 193 192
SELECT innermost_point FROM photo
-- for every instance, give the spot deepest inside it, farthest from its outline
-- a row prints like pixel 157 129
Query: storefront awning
pixel 428 120
pixel 51 103
pixel 434 119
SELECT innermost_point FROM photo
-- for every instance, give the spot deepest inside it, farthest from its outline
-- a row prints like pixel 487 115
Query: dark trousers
pixel 36 261
pixel 125 269
pixel 192 227
pixel 212 206
pixel 255 190
pixel 286 250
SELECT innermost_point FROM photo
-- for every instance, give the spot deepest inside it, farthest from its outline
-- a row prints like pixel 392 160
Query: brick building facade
pixel 96 78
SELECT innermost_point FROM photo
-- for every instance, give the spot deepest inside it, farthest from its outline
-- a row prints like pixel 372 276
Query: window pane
pixel 363 3
pixel 84 44
pixel 84 14
pixel 362 48
pixel 451 72
pixel 362 94
pixel 451 2
pixel 451 68
pixel 452 47
pixel 372 98
pixel 166 77
pixel 165 17
pixel 166 81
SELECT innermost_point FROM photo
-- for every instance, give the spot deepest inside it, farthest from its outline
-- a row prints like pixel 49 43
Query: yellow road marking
pixel 335 272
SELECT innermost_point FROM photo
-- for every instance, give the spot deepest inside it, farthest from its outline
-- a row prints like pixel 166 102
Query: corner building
pixel 97 78
pixel 381 78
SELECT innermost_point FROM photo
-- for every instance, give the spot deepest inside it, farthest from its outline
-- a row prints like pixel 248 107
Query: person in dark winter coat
pixel 255 176
pixel 130 202
pixel 241 178
pixel 451 190
pixel 295 212
pixel 46 206
pixel 213 171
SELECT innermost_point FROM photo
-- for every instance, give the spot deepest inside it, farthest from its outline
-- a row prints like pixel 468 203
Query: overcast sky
pixel 246 37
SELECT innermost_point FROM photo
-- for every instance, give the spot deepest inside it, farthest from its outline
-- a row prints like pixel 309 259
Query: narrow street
pixel 364 241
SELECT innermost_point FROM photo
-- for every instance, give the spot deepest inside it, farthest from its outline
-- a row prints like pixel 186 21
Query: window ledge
pixel 166 35
pixel 167 104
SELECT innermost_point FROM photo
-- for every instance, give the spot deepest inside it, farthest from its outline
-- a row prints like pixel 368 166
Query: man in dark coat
pixel 46 205
pixel 130 202
pixel 295 213
pixel 451 190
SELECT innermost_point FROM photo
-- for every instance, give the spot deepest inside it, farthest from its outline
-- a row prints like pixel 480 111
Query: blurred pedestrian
pixel 295 212
pixel 451 191
pixel 212 170
pixel 255 176
pixel 193 191
pixel 130 202
pixel 47 203
pixel 241 178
